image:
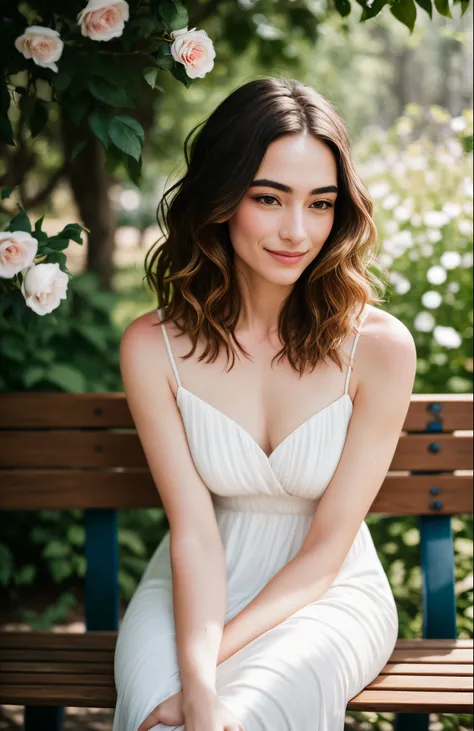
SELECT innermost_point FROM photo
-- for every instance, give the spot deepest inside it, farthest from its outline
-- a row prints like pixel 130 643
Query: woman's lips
pixel 285 259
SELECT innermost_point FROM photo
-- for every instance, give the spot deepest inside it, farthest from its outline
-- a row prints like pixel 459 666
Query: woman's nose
pixel 293 227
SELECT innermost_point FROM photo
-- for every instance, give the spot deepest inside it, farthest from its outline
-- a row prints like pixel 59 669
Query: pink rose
pixel 43 45
pixel 194 49
pixel 43 287
pixel 17 251
pixel 102 20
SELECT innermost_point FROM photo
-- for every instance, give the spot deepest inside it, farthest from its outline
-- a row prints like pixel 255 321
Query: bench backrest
pixel 62 450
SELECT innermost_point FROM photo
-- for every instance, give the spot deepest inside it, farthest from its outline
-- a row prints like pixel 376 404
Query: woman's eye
pixel 270 200
pixel 324 203
pixel 266 199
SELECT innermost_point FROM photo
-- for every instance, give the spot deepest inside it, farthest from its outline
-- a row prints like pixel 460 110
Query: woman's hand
pixel 170 712
pixel 207 713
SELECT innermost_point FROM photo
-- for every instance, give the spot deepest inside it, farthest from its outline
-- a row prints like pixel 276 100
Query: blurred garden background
pixel 405 91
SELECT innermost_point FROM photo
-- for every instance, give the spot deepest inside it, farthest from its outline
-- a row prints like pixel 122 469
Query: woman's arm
pixel 380 409
pixel 197 554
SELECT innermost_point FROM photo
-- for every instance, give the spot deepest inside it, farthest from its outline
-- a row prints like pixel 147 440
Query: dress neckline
pixel 268 457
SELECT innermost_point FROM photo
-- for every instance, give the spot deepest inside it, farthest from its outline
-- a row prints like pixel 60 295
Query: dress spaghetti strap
pixel 170 352
pixel 354 346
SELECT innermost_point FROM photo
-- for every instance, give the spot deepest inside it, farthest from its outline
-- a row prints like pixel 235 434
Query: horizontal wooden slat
pixel 77 670
pixel 401 494
pixel 85 696
pixel 24 654
pixel 421 682
pixel 12 668
pixel 448 644
pixel 368 700
pixel 412 701
pixel 105 449
pixel 59 678
pixel 408 668
pixel 99 640
pixel 110 410
pixel 432 656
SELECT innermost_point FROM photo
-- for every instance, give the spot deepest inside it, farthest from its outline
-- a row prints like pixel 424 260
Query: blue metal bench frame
pixel 102 589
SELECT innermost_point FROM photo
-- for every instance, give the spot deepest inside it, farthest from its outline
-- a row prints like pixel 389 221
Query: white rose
pixel 43 287
pixel 43 45
pixel 17 251
pixel 194 49
pixel 102 20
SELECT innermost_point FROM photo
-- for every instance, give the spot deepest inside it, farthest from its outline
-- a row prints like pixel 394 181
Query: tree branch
pixel 48 188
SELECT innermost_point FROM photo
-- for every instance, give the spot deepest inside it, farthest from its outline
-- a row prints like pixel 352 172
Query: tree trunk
pixel 90 185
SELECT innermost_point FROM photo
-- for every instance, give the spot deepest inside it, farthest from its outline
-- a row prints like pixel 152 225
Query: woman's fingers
pixel 150 720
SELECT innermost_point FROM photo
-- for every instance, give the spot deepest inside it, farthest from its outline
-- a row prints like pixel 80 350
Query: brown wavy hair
pixel 192 271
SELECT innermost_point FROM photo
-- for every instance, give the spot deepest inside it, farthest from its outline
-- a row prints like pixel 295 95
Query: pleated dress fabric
pixel 300 675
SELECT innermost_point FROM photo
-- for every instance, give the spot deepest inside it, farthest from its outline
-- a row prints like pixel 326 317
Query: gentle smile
pixel 286 258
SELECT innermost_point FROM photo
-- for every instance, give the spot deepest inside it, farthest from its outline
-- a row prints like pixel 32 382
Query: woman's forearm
pixel 200 603
pixel 302 580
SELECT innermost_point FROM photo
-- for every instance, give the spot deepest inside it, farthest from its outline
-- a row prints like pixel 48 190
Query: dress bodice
pixel 236 469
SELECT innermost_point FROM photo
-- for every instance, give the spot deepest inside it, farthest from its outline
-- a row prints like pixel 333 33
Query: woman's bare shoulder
pixel 385 340
pixel 142 345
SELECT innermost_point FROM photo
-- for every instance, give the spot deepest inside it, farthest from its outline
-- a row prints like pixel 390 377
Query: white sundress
pixel 300 675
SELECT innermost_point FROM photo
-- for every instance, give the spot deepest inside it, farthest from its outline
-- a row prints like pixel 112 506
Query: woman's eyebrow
pixel 264 183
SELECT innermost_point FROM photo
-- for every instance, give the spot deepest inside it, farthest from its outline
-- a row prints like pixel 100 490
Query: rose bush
pixel 33 271
pixel 55 46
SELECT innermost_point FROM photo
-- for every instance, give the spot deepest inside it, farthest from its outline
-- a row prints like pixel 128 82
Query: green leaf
pixel 134 125
pixel 57 244
pixel 426 5
pixel 174 14
pixel 38 118
pixel 125 138
pixel 20 222
pixel 56 257
pixel 150 74
pixel 72 231
pixel 166 63
pixel 99 122
pixel 405 11
pixel 76 534
pixel 61 81
pixel 442 6
pixel 343 7
pixel 179 72
pixel 25 575
pixel 6 193
pixel 67 378
pixel 39 224
pixel 106 92
pixel 134 169
pixel 33 375
pixel 373 10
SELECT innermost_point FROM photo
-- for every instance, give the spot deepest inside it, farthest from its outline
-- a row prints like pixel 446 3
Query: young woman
pixel 265 607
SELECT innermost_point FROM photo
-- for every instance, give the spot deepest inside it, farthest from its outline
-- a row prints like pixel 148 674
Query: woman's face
pixel 289 206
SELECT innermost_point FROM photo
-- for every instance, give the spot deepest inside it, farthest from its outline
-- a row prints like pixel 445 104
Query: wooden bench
pixel 81 451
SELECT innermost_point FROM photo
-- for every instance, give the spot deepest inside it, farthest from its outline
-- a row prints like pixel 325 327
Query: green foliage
pixel 91 85
pixel 74 349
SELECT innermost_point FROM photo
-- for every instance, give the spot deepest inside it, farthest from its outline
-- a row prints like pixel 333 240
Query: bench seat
pixel 73 669
pixel 81 451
